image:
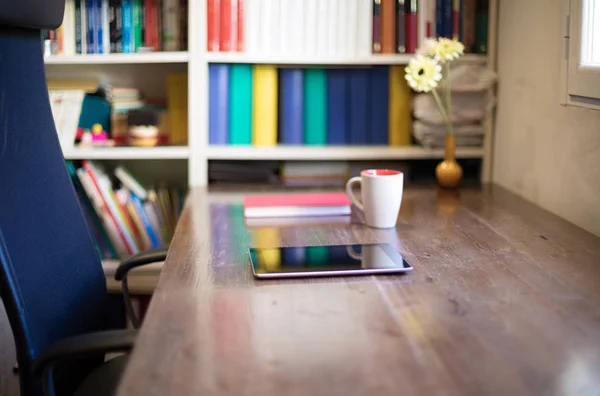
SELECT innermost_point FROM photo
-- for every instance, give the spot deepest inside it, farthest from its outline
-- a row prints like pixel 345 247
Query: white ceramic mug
pixel 381 196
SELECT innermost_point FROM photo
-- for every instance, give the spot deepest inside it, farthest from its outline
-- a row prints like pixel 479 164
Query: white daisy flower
pixel 445 49
pixel 423 74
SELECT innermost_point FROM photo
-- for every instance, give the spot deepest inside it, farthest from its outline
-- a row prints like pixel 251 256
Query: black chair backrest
pixel 51 279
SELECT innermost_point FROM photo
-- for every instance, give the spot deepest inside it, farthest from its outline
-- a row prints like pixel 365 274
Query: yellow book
pixel 270 259
pixel 177 108
pixel 400 108
pixel 264 106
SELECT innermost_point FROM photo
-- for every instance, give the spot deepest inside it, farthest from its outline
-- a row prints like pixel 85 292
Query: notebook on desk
pixel 297 205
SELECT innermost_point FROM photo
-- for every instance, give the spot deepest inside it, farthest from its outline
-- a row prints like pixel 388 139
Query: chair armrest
pixel 81 346
pixel 143 258
pixel 137 260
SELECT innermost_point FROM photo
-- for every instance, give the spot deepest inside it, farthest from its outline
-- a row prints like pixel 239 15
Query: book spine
pixel 252 26
pixel 431 18
pixel 455 19
pixel 359 109
pixel 137 203
pixel 240 104
pixel 225 26
pixel 447 16
pixel 379 102
pixel 183 25
pixel 105 27
pixel 376 26
pixel 130 227
pixel 400 102
pixel 264 105
pixel 170 35
pixel 99 27
pixel 149 23
pixel 91 22
pixel 337 105
pixel 218 119
pixel 468 24
pixel 315 107
pixel 388 26
pixel 233 22
pixel 127 23
pixel 241 25
pixel 400 28
pixel 116 26
pixel 439 18
pixel 137 25
pixel 78 27
pixel 292 103
pixel 481 26
pixel 411 10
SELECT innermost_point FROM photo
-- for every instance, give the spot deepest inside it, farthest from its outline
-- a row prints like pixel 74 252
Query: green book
pixel 137 25
pixel 481 26
pixel 240 104
pixel 315 106
pixel 317 256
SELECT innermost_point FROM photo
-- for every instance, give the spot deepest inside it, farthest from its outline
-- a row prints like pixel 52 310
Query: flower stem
pixel 449 130
pixel 447 121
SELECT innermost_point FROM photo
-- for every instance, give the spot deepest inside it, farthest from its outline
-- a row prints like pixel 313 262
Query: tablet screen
pixel 327 260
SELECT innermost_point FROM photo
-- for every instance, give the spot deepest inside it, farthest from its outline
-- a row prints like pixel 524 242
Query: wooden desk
pixel 504 299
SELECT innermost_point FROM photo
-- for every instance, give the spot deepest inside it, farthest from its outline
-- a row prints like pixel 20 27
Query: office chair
pixel 51 279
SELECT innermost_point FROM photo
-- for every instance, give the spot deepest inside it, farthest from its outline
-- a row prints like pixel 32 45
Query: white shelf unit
pixel 196 60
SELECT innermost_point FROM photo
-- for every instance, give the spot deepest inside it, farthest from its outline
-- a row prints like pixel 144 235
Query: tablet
pixel 311 261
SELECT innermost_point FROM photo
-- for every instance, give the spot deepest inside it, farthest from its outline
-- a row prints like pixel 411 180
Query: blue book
pixel 338 255
pixel 447 19
pixel 337 105
pixel 291 97
pixel 359 106
pixel 127 26
pixel 379 98
pixel 91 22
pixel 439 13
pixel 218 104
pixel 98 28
pixel 139 207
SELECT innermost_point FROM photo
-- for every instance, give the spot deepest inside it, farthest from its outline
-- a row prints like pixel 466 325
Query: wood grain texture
pixel 503 300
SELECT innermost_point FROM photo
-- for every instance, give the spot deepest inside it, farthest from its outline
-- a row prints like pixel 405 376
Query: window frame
pixel 580 84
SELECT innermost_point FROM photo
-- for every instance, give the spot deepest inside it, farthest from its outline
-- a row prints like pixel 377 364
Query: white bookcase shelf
pixel 128 153
pixel 108 59
pixel 274 59
pixel 330 153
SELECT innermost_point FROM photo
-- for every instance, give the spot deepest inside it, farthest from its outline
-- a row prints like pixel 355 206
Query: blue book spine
pixel 293 256
pixel 98 27
pixel 291 96
pixel 359 109
pixel 337 104
pixel 137 203
pixel 91 22
pixel 127 25
pixel 338 255
pixel 447 19
pixel 379 98
pixel 218 117
pixel 460 21
pixel 439 12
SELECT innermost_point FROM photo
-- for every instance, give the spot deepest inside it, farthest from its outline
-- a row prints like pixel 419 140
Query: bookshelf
pixel 148 68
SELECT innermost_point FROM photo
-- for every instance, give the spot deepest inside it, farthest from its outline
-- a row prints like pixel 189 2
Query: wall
pixel 545 152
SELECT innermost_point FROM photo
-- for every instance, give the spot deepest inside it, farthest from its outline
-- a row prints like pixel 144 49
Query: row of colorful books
pixel 119 26
pixel 396 30
pixel 125 217
pixel 263 105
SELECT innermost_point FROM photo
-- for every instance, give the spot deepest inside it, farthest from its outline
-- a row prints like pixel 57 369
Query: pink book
pixel 289 205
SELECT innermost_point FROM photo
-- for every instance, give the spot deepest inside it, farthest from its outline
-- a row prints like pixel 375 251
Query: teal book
pixel 240 104
pixel 315 106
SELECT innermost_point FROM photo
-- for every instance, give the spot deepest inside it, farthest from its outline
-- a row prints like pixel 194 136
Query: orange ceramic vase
pixel 449 172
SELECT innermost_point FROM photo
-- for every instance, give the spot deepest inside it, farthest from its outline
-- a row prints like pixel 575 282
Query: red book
pixel 411 26
pixel 376 26
pixel 225 27
pixel 151 24
pixel 289 205
pixel 212 17
pixel 240 26
pixel 455 18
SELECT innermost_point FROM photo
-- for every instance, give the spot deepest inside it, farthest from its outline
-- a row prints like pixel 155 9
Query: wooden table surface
pixel 504 299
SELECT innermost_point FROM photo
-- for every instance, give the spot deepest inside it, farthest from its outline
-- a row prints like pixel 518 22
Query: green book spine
pixel 240 104
pixel 315 106
pixel 481 27
pixel 317 256
pixel 137 24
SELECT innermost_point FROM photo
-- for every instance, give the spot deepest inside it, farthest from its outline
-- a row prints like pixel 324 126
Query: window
pixel 582 61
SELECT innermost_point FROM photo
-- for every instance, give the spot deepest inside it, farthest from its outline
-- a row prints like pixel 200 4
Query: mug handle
pixel 351 195
pixel 353 254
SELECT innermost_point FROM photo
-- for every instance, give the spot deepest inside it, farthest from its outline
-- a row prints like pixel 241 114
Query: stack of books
pixel 263 105
pixel 124 217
